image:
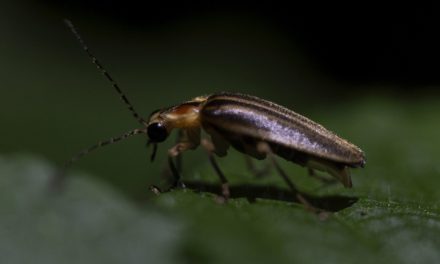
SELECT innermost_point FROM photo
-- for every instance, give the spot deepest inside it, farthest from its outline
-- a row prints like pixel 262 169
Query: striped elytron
pixel 251 125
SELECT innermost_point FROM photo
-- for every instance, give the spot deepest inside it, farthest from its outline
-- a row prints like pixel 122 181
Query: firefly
pixel 251 125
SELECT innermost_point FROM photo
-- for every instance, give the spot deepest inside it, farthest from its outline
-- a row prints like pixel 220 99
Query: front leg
pixel 175 152
pixel 187 139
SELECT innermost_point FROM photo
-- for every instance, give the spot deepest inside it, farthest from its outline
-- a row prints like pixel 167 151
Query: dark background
pixel 360 42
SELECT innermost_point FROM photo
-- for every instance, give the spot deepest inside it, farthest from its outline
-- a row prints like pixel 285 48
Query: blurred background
pixel 367 70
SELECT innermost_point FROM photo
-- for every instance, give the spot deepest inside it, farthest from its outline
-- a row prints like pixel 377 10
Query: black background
pixel 359 42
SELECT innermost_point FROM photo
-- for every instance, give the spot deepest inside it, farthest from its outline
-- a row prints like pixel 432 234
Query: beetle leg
pixel 221 146
pixel 340 173
pixel 211 149
pixel 324 180
pixel 176 178
pixel 265 148
pixel 175 167
pixel 175 152
pixel 178 160
pixel 187 139
pixel 175 172
pixel 258 172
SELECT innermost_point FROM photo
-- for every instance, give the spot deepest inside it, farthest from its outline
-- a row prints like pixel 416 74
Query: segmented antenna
pixel 104 72
pixel 59 178
pixel 101 144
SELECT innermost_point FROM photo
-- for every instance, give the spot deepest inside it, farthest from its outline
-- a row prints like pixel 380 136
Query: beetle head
pixel 182 116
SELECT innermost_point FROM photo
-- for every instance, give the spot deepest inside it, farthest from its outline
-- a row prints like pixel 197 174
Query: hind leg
pixel 265 148
pixel 326 181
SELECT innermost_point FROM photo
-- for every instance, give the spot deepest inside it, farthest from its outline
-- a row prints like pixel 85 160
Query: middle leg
pixel 257 172
pixel 225 185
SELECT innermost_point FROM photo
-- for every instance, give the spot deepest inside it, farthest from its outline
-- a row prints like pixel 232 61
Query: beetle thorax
pixel 181 116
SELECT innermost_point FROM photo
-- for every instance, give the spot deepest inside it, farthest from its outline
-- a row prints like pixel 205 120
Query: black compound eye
pixel 157 132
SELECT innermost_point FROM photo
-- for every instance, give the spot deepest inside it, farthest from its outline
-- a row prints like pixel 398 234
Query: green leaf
pixel 85 223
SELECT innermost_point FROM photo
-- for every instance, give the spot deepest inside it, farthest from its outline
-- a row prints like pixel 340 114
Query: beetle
pixel 251 125
pixel 257 128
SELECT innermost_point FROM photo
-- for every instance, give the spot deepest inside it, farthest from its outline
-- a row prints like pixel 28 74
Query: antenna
pixel 60 176
pixel 58 180
pixel 101 144
pixel 104 72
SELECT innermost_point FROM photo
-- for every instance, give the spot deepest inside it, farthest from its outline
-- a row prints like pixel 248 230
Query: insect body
pixel 244 121
pixel 251 125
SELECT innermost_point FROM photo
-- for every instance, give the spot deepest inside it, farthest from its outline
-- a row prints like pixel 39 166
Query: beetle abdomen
pixel 290 135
